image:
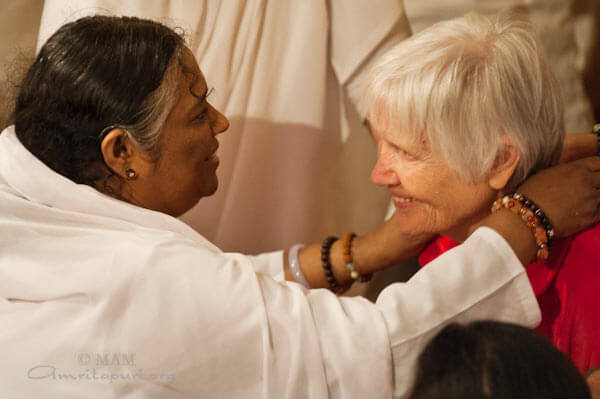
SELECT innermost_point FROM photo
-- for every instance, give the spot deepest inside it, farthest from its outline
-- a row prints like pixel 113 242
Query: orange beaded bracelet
pixel 347 251
pixel 534 217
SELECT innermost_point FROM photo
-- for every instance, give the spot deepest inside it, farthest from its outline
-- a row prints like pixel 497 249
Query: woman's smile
pixel 403 201
pixel 213 157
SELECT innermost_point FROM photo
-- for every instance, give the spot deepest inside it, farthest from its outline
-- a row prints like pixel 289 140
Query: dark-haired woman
pixel 281 71
pixel 104 293
pixel 493 360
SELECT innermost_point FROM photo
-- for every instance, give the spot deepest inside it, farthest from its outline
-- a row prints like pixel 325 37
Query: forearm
pixel 514 231
pixel 579 145
pixel 379 249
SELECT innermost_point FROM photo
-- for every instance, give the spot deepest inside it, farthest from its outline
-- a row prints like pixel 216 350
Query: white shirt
pixel 102 299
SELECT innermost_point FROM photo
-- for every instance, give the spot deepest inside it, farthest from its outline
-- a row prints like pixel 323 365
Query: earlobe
pixel 506 162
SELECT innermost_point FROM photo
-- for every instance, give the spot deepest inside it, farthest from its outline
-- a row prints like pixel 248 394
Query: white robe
pixel 287 74
pixel 103 299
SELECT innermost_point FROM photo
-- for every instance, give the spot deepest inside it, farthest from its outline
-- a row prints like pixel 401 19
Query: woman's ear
pixel 505 164
pixel 116 150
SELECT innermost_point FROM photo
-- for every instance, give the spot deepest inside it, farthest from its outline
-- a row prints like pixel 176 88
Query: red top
pixel 567 287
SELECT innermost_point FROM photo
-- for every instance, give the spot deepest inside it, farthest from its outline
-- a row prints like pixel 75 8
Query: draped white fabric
pixel 287 74
pixel 102 299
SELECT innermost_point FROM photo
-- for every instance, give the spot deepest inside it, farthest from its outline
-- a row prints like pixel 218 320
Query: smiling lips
pixel 402 201
pixel 213 155
pixel 400 197
pixel 213 158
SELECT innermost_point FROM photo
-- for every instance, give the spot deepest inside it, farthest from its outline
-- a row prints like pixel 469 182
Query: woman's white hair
pixel 155 109
pixel 463 84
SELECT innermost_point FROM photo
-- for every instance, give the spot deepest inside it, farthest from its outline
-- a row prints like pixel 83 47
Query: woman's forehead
pixel 190 67
pixel 191 79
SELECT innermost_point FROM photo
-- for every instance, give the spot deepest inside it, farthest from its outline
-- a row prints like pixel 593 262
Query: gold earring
pixel 131 174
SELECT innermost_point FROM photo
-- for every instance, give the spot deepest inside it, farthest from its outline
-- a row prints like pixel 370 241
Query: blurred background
pixel 569 30
pixel 19 26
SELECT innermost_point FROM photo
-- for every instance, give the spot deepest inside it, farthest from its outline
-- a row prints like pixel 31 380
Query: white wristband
pixel 295 265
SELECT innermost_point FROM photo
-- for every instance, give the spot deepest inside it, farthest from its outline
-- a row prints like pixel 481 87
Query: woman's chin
pixel 209 187
pixel 413 229
pixel 410 223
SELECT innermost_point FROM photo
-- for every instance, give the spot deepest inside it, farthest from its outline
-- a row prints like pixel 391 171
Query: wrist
pixel 346 265
pixel 295 269
pixel 534 218
pixel 514 231
pixel 370 253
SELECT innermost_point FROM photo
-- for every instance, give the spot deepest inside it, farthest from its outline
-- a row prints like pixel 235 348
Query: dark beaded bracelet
pixel 544 221
pixel 334 285
pixel 534 218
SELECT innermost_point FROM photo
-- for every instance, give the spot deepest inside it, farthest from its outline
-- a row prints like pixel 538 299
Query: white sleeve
pixel 222 329
pixel 269 263
pixel 481 279
pixel 359 349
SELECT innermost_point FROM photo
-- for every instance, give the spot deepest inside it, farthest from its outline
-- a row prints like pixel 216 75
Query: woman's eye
pixel 201 116
pixel 403 153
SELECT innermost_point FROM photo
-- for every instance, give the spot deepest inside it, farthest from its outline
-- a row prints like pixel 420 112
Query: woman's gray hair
pixel 463 84
pixel 155 109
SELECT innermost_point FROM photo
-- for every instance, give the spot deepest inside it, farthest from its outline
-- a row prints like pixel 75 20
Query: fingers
pixel 591 163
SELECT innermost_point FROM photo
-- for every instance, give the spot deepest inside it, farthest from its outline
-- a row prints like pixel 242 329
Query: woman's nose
pixel 383 174
pixel 220 123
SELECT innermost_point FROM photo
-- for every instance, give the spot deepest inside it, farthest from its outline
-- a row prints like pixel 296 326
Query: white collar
pixel 33 180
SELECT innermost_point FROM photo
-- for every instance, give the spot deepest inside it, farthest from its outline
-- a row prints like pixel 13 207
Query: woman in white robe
pixel 287 74
pixel 104 293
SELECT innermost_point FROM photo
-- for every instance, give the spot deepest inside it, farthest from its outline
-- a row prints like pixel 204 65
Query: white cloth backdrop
pixel 296 160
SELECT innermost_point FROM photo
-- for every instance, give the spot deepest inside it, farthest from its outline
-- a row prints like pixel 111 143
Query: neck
pixel 461 231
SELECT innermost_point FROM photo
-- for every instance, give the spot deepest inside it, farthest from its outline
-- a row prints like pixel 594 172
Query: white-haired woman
pixel 462 113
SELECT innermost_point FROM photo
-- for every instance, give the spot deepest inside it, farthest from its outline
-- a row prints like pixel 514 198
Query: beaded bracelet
pixel 295 265
pixel 347 250
pixel 334 285
pixel 533 216
pixel 596 130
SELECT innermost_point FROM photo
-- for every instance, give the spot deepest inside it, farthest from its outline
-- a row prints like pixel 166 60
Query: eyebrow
pixel 201 99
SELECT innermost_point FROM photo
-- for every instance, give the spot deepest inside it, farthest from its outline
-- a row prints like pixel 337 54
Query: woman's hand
pixel 381 248
pixel 579 145
pixel 387 246
pixel 569 194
